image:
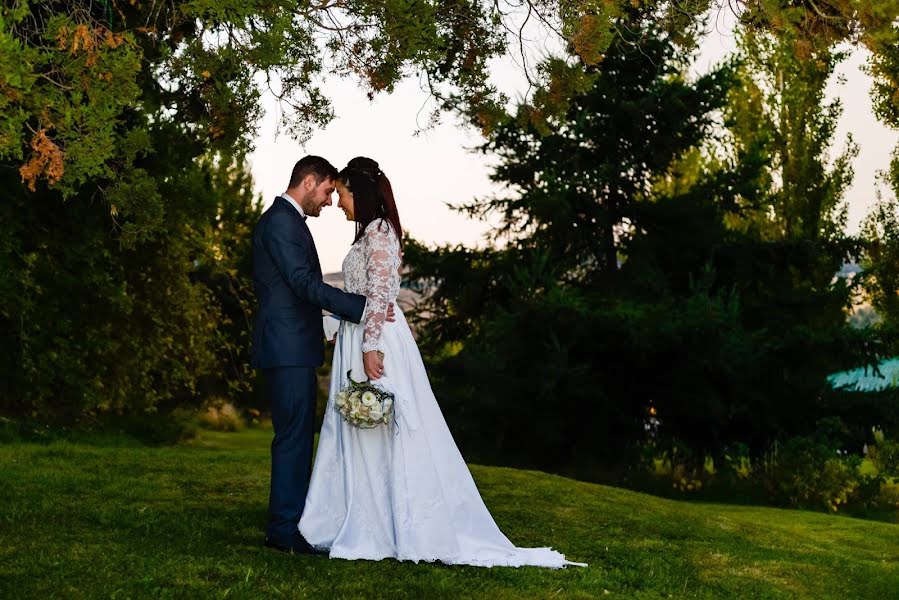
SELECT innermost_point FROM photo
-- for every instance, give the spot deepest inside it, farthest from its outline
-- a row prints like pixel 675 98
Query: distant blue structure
pixel 865 380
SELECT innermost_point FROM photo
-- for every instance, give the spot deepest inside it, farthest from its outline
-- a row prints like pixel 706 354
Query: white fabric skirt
pixel 401 490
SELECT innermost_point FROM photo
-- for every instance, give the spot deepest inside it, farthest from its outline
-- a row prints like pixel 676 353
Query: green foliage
pixel 575 187
pixel 123 131
pixel 94 328
pixel 194 515
pixel 67 87
pixel 82 81
pixel 541 325
pixel 884 454
pixel 884 69
pixel 880 262
pixel 125 236
pixel 811 471
pixel 656 257
pixel 74 73
pixel 125 253
pixel 779 110
pixel 827 470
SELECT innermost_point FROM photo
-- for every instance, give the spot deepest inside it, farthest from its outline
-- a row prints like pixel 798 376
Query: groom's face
pixel 318 195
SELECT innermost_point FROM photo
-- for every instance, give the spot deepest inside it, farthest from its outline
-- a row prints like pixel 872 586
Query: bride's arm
pixel 382 266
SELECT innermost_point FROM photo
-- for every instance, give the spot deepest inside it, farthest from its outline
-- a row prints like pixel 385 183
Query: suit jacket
pixel 289 287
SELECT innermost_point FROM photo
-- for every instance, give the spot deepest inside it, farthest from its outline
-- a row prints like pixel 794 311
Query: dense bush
pixel 94 325
pixel 824 470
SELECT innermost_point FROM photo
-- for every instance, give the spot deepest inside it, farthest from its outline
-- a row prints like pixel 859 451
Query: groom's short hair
pixel 311 165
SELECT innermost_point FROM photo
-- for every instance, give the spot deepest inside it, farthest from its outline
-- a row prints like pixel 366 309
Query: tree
pixel 74 72
pixel 123 131
pixel 85 81
pixel 553 323
pixel 92 329
pixel 670 250
pixel 127 122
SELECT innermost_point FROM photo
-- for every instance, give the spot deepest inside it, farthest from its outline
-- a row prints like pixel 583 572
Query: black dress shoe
pixel 297 546
pixel 276 546
pixel 317 551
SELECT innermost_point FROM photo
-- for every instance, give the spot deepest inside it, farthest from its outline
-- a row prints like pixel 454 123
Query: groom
pixel 288 338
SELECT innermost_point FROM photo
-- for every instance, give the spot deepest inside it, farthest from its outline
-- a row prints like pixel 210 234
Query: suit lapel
pixel 305 229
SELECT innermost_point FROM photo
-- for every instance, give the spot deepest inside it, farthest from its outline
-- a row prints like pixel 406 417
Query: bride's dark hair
pixel 372 195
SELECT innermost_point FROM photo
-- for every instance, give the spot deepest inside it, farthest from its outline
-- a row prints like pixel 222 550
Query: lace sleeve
pixel 382 262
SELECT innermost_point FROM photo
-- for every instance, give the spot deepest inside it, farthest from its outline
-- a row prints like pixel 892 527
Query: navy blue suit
pixel 288 345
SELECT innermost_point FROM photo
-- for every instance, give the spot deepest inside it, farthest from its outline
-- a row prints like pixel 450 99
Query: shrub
pixel 884 454
pixel 221 415
pixel 812 471
pixel 158 428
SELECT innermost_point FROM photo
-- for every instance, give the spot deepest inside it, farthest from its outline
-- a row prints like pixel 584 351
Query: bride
pixel 400 490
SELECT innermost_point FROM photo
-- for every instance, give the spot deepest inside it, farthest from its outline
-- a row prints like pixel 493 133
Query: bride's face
pixel 345 200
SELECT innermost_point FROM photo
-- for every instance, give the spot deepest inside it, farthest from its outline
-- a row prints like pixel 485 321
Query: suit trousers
pixel 292 395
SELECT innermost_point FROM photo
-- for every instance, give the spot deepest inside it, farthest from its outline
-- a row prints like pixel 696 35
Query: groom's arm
pixel 292 256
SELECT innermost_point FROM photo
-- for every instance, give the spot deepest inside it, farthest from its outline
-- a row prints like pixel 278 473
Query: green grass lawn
pixel 127 521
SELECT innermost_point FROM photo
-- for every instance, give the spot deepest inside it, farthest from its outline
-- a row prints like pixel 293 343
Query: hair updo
pixel 372 195
pixel 363 163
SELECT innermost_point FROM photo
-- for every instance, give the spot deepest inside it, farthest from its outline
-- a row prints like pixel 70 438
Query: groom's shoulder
pixel 278 212
pixel 277 206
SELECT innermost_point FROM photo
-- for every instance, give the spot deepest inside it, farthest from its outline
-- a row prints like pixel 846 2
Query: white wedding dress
pixel 400 490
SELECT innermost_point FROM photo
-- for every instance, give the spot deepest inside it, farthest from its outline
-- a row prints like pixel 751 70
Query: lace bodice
pixel 372 268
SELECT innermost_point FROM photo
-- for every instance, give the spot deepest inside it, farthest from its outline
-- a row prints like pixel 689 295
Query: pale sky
pixel 434 168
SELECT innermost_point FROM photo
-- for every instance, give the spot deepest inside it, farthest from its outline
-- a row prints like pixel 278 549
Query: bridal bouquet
pixel 363 405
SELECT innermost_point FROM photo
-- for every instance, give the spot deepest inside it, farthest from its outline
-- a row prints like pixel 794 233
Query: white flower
pixel 369 398
pixel 363 406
